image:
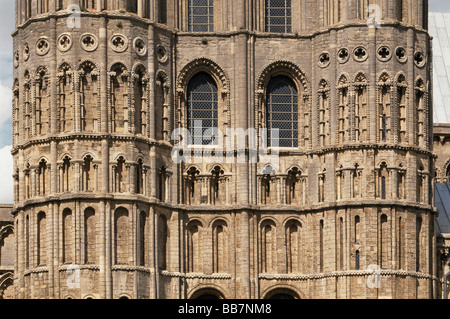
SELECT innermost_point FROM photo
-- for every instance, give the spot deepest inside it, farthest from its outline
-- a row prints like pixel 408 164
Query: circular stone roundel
pixel 384 53
pixel 16 59
pixel 400 54
pixel 42 46
pixel 140 46
pixel 343 55
pixel 89 42
pixel 360 54
pixel 420 59
pixel 324 60
pixel 26 52
pixel 119 43
pixel 64 42
pixel 161 54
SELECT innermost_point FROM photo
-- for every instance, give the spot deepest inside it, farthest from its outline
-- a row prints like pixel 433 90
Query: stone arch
pixel 302 85
pixel 360 77
pixel 163 110
pixel 343 79
pixel 194 245
pixel 384 78
pixel 206 65
pixel 65 66
pixel 293 218
pixel 122 236
pixel 297 167
pixel 268 245
pixel 207 292
pixel 87 86
pixel 41 71
pixel 7 286
pixel 282 292
pixel 446 168
pixel 88 63
pixel 222 81
pixel 121 114
pixel 7 246
pixel 286 68
pixel 218 220
pixel 419 82
pixel 400 77
pixel 140 99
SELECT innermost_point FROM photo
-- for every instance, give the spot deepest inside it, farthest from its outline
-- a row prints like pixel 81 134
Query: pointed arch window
pixel 65 101
pixel 87 174
pixel 343 110
pixel 282 112
pixel 202 109
pixel 65 175
pixel 278 16
pixel 402 108
pixel 43 178
pixel 42 104
pixel 201 15
pixel 87 112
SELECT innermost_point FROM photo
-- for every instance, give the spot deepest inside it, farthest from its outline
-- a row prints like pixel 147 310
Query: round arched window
pixel 282 113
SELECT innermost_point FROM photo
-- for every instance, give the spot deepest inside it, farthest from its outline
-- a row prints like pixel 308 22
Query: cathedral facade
pixel 138 130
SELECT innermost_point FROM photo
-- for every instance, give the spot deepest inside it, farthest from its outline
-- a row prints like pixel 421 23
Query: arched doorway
pixel 207 293
pixel 282 293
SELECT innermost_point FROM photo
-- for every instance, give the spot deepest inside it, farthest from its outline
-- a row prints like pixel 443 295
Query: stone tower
pixel 105 209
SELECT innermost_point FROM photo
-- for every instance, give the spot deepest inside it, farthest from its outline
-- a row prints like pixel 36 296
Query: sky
pixel 7 17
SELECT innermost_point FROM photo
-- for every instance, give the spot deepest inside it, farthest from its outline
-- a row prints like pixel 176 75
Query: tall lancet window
pixel 41 244
pixel 88 106
pixel 220 247
pixel 420 116
pixel 42 105
pixel 402 111
pixel 194 247
pixel 65 180
pixel 16 113
pixel 343 110
pixel 384 109
pixel 202 109
pixel 361 110
pixel 42 178
pixel 296 187
pixel 65 90
pixel 383 179
pixel 28 133
pixel 282 113
pixel 87 174
pixel 201 15
pixel 140 101
pixel 324 122
pixel 293 246
pixel 278 16
pixel 119 175
pixel 120 112
pixel 268 247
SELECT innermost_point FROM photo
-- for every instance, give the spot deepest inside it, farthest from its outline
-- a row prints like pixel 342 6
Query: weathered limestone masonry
pixel 99 197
